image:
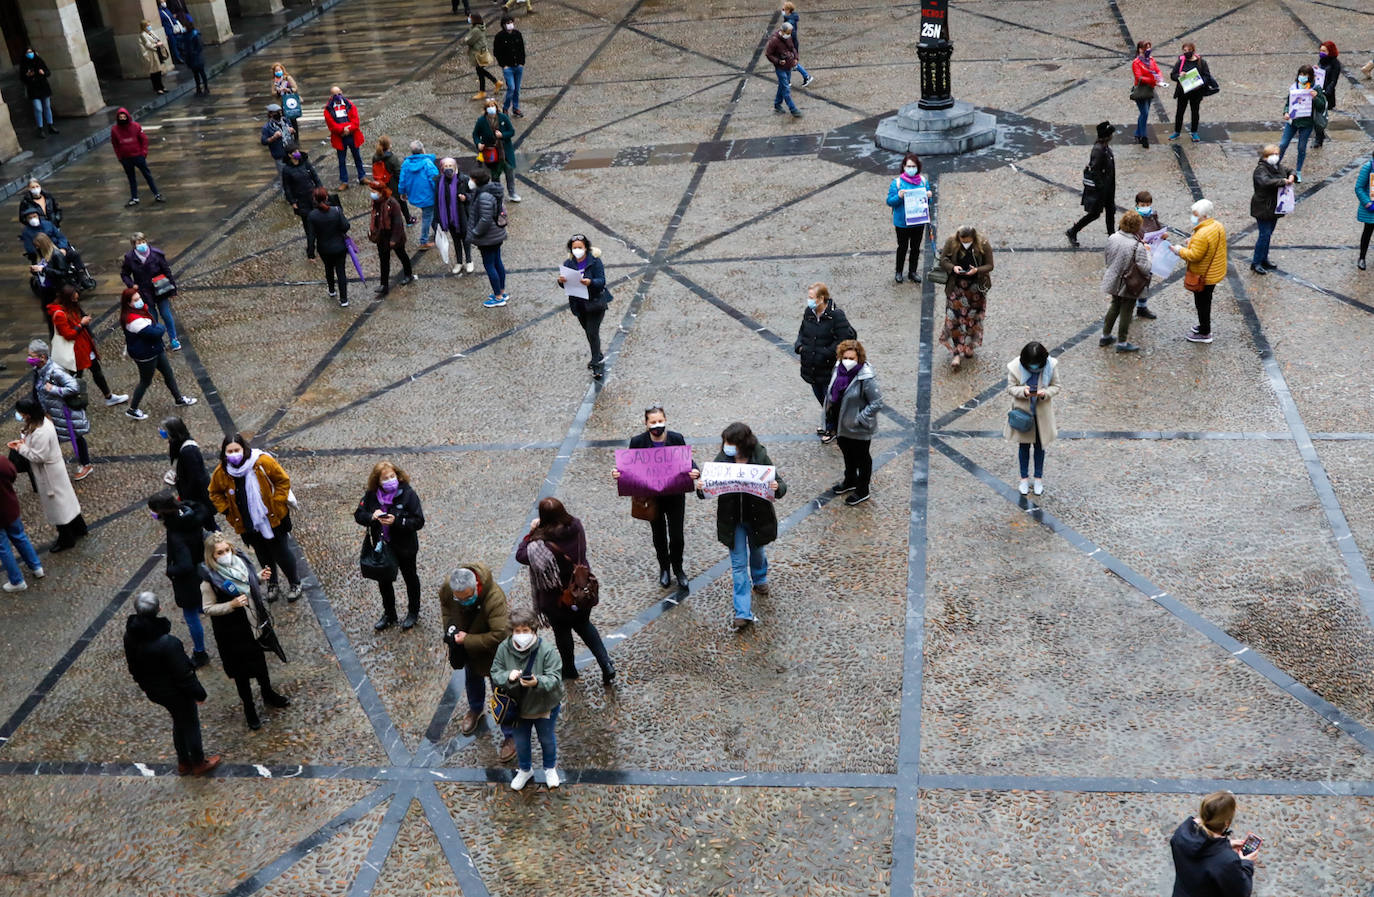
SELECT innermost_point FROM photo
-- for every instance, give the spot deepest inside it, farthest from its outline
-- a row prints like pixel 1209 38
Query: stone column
pixel 212 18
pixel 56 32
pixel 123 17
pixel 259 7
pixel 9 142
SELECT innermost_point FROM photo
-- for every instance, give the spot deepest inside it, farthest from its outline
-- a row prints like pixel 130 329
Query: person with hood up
pixel 130 146
pixel 416 183
pixel 277 135
pixel 528 661
pixel 585 258
pixel 38 444
pixel 298 183
pixel 476 621
pixel 492 134
pixel 326 231
pixel 345 133
pixel 155 53
pixel 387 229
pixel 487 230
pixel 158 663
pixel 143 343
pixel 146 267
pixel 34 73
pixel 852 403
pixel 452 194
pixel 182 520
pixel 1207 863
pixel 253 492
pixel 54 388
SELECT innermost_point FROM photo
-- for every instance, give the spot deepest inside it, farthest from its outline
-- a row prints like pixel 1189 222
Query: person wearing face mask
pixel 1364 213
pixel 387 229
pixel 299 181
pixel 1032 382
pixel 453 191
pixel 36 199
pixel 1200 85
pixel 187 474
pixel 155 54
pixel 492 136
pixel 38 444
pixel 823 327
pixel 1205 253
pixel 781 53
pixel 1099 184
pixel 487 231
pixel 386 169
pixel 283 83
pixel 277 134
pixel 910 230
pixel 668 509
pixel 793 18
pixel 326 231
pixel 33 224
pixel 146 267
pixel 586 260
pixel 231 596
pixel 1268 178
pixel 182 521
pixel 966 259
pixel 1326 76
pixel 173 30
pixel 71 323
pixel 528 663
pixel 1146 75
pixel 58 391
pixel 130 146
pixel 34 74
pixel 476 621
pixel 345 133
pixel 143 343
pixel 416 182
pixel 480 55
pixel 852 403
pixel 1152 232
pixel 390 512
pixel 1127 261
pixel 1304 105
pixel 253 493
pixel 746 524
pixel 509 49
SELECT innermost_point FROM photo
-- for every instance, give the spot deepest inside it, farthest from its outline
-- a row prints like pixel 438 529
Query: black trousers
pixel 483 76
pixel 273 553
pixel 462 250
pixel 591 325
pixel 1203 302
pixel 98 376
pixel 1192 101
pixel 146 369
pixel 412 581
pixel 1099 207
pixel 244 684
pixel 858 463
pixel 156 79
pixel 384 251
pixel 909 239
pixel 336 272
pixel 186 730
pixel 1364 237
pixel 667 529
pixel 564 625
pixel 69 532
pixel 201 80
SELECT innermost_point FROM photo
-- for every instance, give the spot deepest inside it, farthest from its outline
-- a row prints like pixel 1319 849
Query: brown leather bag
pixel 643 507
pixel 583 591
pixel 1194 283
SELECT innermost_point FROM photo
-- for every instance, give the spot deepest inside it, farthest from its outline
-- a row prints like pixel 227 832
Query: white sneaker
pixel 551 778
pixel 468 267
pixel 515 197
pixel 457 269
pixel 1039 486
pixel 116 399
pixel 39 573
pixel 1024 488
pixel 522 778
pixel 21 586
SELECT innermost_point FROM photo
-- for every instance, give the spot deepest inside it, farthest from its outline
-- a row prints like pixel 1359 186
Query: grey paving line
pixel 1172 39
pixel 1363 12
pixel 719 82
pixel 371 868
pixel 1163 435
pixel 451 842
pixel 965 10
pixel 1113 785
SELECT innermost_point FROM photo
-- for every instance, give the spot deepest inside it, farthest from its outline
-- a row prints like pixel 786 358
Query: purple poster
pixel 654 471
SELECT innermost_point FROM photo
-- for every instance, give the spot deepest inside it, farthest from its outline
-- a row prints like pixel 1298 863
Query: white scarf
pixel 257 510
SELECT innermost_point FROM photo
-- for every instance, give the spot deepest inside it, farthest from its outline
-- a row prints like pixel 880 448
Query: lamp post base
pixel 957 128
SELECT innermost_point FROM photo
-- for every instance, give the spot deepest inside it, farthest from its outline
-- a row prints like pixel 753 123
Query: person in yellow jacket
pixel 1205 253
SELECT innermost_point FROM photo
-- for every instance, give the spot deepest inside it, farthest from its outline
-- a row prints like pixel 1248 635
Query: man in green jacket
pixel 476 621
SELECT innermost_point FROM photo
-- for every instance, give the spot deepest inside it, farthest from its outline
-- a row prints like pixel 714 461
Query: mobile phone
pixel 1252 843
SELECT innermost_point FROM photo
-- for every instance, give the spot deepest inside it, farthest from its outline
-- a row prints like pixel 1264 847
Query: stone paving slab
pixel 331 868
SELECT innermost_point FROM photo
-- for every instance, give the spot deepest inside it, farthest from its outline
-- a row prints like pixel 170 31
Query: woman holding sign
pixel 909 197
pixel 1271 181
pixel 1192 81
pixel 1305 105
pixel 745 522
pixel 667 509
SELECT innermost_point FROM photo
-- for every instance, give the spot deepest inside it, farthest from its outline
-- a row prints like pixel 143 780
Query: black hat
pixel 1105 129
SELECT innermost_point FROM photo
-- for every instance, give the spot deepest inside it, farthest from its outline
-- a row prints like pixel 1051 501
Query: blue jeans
pixel 1143 118
pixel 475 684
pixel 748 568
pixel 192 618
pixel 162 307
pixel 513 74
pixel 426 223
pixel 1023 453
pixel 343 161
pixel 15 533
pixel 496 272
pixel 42 112
pixel 1303 134
pixel 784 90
pixel 548 744
pixel 801 71
pixel 1264 231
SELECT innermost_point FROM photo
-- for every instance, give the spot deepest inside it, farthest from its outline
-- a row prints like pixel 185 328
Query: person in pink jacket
pixel 130 146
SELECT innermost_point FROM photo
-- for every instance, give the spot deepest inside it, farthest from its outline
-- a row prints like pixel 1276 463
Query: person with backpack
pixel 527 662
pixel 326 232
pixel 387 231
pixel 476 621
pixel 63 398
pixel 1099 184
pixel 487 231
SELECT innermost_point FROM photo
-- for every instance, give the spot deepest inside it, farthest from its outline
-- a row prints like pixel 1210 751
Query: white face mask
pixel 849 364
pixel 1192 219
pixel 491 110
pixel 966 243
pixel 729 450
pixel 523 640
pixel 36 191
pixel 33 222
pixel 472 185
pixel 578 252
pixel 911 170
pixel 510 26
pixel 375 196
pixel 1272 158
pixel 223 558
pixel 137 303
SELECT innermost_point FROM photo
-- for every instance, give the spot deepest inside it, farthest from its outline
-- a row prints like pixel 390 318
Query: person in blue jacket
pixel 1364 192
pixel 586 259
pixel 277 135
pixel 909 233
pixel 35 224
pixel 792 17
pixel 416 186
pixel 193 49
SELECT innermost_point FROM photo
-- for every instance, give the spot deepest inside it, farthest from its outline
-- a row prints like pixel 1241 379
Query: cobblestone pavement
pixel 953 689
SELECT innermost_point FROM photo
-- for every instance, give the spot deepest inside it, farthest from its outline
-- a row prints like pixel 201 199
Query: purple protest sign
pixel 644 473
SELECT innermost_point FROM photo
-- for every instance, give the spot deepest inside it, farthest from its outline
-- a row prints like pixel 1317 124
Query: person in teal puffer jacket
pixel 1364 191
pixel 419 173
pixel 542 698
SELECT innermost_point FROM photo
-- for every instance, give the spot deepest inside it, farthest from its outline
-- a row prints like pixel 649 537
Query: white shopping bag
pixel 1162 260
pixel 1287 200
pixel 444 242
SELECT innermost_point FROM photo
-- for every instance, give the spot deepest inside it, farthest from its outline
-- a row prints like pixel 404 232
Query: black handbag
pixel 78 401
pixel 267 638
pixel 376 560
pixel 506 696
pixel 1142 92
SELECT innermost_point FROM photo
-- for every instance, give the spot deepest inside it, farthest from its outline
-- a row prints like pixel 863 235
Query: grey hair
pixel 1203 208
pixel 38 347
pixel 787 26
pixel 146 604
pixel 416 146
pixel 462 579
pixel 136 236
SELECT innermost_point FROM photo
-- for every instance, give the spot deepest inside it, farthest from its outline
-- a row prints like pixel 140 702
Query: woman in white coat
pixel 1032 383
pixel 38 444
pixel 149 42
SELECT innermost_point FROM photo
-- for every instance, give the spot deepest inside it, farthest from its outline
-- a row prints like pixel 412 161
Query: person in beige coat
pixel 149 43
pixel 38 444
pixel 1032 383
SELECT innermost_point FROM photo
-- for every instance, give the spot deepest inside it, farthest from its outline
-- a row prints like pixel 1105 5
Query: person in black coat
pixel 159 665
pixel 298 182
pixel 1206 863
pixel 36 199
pixel 188 475
pixel 1099 184
pixel 390 510
pixel 823 327
pixel 193 50
pixel 34 73
pixel 326 229
pixel 666 524
pixel 231 596
pixel 509 49
pixel 182 520
pixel 1329 62
pixel 590 312
pixel 1190 60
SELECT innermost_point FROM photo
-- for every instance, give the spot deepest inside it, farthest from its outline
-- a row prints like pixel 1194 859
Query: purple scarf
pixel 842 380
pixel 915 182
pixel 450 214
pixel 385 499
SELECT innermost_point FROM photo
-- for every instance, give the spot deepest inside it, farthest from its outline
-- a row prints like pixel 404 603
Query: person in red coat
pixel 345 133
pixel 72 322
pixel 131 149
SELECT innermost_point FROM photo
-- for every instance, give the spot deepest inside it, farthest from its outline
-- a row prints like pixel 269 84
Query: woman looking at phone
pixel 1206 860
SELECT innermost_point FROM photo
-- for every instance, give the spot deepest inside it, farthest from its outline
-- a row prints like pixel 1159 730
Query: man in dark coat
pixel 159 665
pixel 476 621
pixel 1099 184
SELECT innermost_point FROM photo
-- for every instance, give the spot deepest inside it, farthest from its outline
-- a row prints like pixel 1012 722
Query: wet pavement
pixel 952 690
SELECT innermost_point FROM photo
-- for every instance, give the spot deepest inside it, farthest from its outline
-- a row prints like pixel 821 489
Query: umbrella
pixel 267 637
pixel 353 254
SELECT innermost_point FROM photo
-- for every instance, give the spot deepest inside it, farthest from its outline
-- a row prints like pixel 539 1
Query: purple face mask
pixel 295 157
pixel 34 362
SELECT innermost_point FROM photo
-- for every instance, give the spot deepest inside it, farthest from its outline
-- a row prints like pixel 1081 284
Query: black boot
pixel 250 713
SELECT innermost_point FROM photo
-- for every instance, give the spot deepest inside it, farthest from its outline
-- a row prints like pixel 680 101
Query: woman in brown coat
pixel 966 259
pixel 253 493
pixel 388 231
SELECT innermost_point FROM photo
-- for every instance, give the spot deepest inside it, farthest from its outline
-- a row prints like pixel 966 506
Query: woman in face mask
pixel 253 493
pixel 143 342
pixel 480 55
pixel 1269 178
pixel 909 218
pixel 70 321
pixel 38 444
pixel 182 521
pixel 852 403
pixel 155 54
pixel 492 135
pixel 56 390
pixel 282 82
pixel 529 664
pixel 1205 253
pixel 585 259
pixel 823 327
pixel 37 200
pixel 388 231
pixel 230 594
pixel 1146 77
pixel 390 511
pixel 34 74
pixel 1032 381
pixel 454 190
pixel 146 267
pixel 1364 195
pixel 966 260
pixel 1304 106
pixel 746 523
pixel 1327 75
pixel 666 510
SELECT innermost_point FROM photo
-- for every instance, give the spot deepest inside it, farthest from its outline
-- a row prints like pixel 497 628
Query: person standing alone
pixel 1099 184
pixel 781 52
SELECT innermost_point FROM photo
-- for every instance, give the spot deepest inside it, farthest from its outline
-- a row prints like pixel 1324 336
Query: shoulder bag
pixel 1142 91
pixel 163 286
pixel 64 351
pixel 377 560
pixel 1133 281
pixel 506 696
pixel 1194 283
pixel 78 401
pixel 1020 419
pixel 643 507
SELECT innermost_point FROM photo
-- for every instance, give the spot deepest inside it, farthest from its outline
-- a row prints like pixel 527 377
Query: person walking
pixel 386 169
pixel 1032 383
pixel 130 145
pixel 38 444
pixel 553 549
pixel 182 520
pixel 155 53
pixel 1364 212
pixel 852 402
pixel 1300 112
pixel 1207 863
pixel 585 259
pixel 823 327
pixel 34 74
pixel 451 198
pixel 299 181
pixel 487 231
pixel 387 229
pixel 1153 232
pixel 194 47
pixel 253 493
pixel 158 663
pixel 1192 81
pixel 63 398
pixel 966 259
pixel 326 232
pixel 143 343
pixel 509 49
pixel 1146 77
pixel 390 511
pixel 71 323
pixel 746 524
pixel 528 661
pixel 187 474
pixel 480 55
pixel 791 17
pixel 278 135
pixel 1326 76
pixel 419 173
pixel 1269 178
pixel 345 133
pixel 146 267
pixel 1099 184
pixel 1205 253
pixel 476 620
pixel 1125 279
pixel 668 509
pixel 909 222
pixel 492 135
pixel 12 533
pixel 781 53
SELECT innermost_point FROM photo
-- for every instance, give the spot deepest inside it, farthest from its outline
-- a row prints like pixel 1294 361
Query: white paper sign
pixel 1319 76
pixel 1299 103
pixel 1162 260
pixel 1190 80
pixel 572 282
pixel 917 201
pixel 719 478
pixel 1286 200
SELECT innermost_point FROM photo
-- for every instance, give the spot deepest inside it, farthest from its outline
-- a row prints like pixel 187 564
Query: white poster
pixel 1299 103
pixel 917 201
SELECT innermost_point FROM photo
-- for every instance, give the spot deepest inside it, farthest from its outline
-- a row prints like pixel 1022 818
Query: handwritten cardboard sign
pixel 663 470
pixel 719 478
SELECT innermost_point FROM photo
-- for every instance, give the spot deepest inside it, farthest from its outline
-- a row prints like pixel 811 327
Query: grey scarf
pixel 544 573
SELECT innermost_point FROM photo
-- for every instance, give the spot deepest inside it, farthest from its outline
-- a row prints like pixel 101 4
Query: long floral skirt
pixel 964 311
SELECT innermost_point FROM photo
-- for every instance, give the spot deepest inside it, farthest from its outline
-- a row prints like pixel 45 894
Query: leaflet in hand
pixel 572 282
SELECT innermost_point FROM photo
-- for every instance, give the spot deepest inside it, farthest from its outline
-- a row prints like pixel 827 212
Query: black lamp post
pixel 934 52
